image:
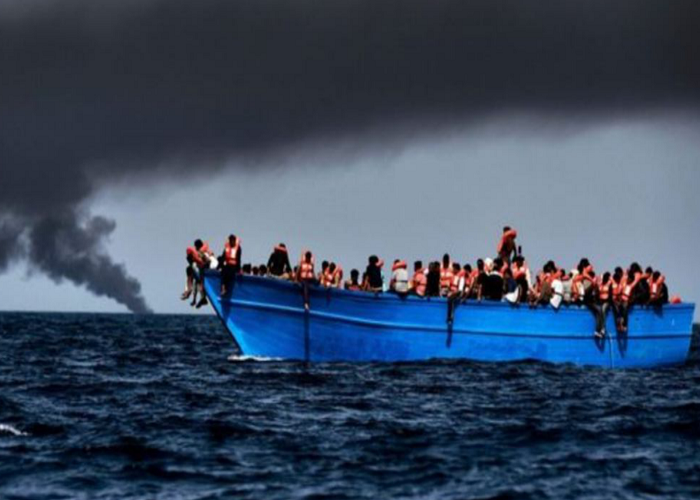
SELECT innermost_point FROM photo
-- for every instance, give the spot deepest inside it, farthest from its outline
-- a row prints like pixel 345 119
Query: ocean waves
pixel 112 406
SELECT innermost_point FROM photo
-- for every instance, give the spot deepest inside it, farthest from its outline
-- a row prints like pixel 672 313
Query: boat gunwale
pixel 361 296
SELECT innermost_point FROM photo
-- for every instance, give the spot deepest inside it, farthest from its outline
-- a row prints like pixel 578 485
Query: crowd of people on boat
pixel 507 277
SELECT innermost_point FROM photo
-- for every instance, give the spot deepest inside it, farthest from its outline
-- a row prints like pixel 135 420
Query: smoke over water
pixel 98 92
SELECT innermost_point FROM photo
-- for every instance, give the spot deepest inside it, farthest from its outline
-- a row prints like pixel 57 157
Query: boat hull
pixel 266 317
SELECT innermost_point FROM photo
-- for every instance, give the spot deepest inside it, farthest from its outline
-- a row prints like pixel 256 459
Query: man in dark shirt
pixel 374 283
pixel 278 264
pixel 433 285
pixel 493 286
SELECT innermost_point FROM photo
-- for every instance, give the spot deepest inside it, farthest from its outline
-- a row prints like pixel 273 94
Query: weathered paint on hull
pixel 266 317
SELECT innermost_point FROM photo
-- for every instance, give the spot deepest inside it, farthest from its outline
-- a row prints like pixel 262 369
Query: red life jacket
pixel 604 291
pixel 420 282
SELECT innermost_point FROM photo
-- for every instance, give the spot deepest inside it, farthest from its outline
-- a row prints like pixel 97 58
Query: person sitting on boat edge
pixel 659 291
pixel 325 278
pixel 479 280
pixel 191 272
pixel 324 267
pixel 353 284
pixel 590 295
pixel 373 280
pixel 399 277
pixel 446 275
pixel 278 263
pixel 337 279
pixel 231 263
pixel 521 277
pixel 494 285
pixel 306 275
pixel 433 280
pixel 204 259
pixel 458 284
pixel 419 280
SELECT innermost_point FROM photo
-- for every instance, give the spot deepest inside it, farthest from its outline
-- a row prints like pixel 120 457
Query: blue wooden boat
pixel 267 318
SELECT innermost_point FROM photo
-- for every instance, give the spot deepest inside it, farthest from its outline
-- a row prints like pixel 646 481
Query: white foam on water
pixel 236 358
pixel 11 430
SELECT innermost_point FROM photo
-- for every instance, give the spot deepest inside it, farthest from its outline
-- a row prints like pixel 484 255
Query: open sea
pixel 119 406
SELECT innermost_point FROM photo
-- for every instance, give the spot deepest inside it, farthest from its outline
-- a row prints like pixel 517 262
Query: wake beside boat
pixel 267 319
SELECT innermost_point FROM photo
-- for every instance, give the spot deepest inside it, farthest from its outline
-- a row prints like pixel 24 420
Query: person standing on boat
pixel 507 248
pixel 373 275
pixel 278 264
pixel 231 263
pixel 419 282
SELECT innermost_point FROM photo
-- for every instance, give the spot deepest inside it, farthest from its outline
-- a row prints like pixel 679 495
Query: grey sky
pixel 618 193
pixel 101 96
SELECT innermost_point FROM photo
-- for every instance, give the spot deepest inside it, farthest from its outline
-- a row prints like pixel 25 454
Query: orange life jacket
pixel 617 289
pixel 454 286
pixel 629 288
pixel 196 257
pixel 604 290
pixel 306 269
pixel 446 275
pixel 507 243
pixel 519 272
pixel 656 286
pixel 327 278
pixel 231 253
pixel 337 280
pixel 420 282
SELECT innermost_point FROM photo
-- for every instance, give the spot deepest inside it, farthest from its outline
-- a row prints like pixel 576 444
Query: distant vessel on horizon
pixel 267 318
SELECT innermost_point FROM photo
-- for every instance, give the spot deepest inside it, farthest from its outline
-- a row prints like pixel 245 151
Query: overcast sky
pixel 401 128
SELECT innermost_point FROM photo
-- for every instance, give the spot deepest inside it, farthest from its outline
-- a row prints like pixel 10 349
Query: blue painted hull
pixel 267 318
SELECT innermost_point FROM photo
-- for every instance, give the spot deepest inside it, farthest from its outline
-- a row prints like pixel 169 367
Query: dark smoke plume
pixel 96 91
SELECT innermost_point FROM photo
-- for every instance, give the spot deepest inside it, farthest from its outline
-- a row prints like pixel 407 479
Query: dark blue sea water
pixel 116 406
